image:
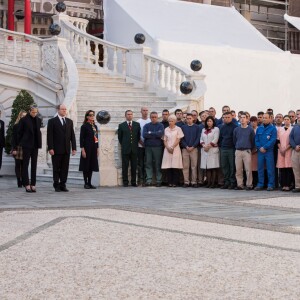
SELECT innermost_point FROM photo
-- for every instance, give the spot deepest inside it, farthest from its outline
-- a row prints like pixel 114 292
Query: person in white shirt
pixel 141 149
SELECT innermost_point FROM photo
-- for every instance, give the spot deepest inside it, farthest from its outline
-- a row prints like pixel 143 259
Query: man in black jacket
pixel 60 139
pixel 30 139
pixel 227 151
pixel 2 140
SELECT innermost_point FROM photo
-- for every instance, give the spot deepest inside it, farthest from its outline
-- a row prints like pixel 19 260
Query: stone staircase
pixel 99 91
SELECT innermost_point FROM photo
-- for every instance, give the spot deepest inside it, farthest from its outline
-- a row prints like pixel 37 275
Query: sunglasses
pixel 91 115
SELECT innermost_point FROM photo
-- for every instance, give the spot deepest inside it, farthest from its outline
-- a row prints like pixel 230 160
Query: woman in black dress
pixel 17 149
pixel 89 149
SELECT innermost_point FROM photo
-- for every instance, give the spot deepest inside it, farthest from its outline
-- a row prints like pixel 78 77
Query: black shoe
pixel 231 187
pixel 134 184
pixel 239 188
pixel 87 187
pixel 224 187
pixel 296 190
pixel 185 185
pixel 270 189
pixel 64 189
pixel 57 189
pixel 125 185
pixel 148 184
pixel 92 187
pixel 259 188
pixel 213 186
pixel 195 185
pixel 158 185
pixel 248 188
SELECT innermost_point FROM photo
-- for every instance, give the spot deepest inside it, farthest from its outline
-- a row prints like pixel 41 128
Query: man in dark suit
pixel 129 134
pixel 2 140
pixel 30 139
pixel 60 139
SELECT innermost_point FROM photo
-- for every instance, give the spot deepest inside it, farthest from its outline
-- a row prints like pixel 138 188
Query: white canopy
pixel 194 23
pixel 295 21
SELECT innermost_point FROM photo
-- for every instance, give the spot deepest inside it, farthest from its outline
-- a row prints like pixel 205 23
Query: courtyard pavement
pixel 148 243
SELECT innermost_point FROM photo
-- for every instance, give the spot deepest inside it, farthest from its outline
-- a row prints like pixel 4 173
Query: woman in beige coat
pixel 210 158
pixel 172 159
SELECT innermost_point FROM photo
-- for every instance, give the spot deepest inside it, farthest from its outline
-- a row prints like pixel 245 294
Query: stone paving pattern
pixel 148 243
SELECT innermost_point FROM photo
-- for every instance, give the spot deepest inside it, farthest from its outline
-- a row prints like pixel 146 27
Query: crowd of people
pixel 237 151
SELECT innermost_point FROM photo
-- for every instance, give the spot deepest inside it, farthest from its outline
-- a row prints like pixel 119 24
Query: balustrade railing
pixel 94 52
pixel 163 74
pixel 47 57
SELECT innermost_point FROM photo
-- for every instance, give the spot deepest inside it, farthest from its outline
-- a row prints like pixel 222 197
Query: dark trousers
pixel 29 154
pixel 1 153
pixel 173 176
pixel 18 167
pixel 153 163
pixel 141 165
pixel 132 158
pixel 286 177
pixel 228 166
pixel 255 178
pixel 60 164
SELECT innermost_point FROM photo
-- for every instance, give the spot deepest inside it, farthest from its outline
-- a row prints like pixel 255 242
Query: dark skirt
pixel 90 163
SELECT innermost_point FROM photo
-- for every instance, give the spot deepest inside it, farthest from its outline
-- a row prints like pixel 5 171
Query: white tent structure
pixel 243 69
pixel 295 21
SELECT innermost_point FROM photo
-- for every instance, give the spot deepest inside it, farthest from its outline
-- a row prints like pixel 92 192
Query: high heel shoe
pixel 33 189
pixel 28 190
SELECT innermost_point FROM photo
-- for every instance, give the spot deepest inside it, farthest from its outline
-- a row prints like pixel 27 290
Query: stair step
pixel 72 173
pixel 86 95
pixel 49 178
pixel 106 83
pixel 102 93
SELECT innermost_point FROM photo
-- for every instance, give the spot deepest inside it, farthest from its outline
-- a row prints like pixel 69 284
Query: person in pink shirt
pixel 284 161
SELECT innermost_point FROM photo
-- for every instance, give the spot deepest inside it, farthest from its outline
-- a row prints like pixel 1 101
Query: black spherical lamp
pixel 60 7
pixel 103 117
pixel 54 29
pixel 196 65
pixel 139 38
pixel 186 87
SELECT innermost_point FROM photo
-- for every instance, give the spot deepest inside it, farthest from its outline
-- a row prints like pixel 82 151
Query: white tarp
pixel 242 68
pixel 295 21
pixel 187 22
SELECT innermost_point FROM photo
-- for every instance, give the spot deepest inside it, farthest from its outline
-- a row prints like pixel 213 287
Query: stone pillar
pixel 107 165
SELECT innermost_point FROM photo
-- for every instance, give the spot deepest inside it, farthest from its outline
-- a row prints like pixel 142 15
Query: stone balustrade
pixel 48 58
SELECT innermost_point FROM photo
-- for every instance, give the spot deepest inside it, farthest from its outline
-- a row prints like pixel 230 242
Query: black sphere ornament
pixel 103 117
pixel 54 29
pixel 60 7
pixel 186 87
pixel 196 65
pixel 19 14
pixel 139 38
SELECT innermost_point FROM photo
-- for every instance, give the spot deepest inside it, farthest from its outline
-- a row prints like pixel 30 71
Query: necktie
pixel 129 125
pixel 64 121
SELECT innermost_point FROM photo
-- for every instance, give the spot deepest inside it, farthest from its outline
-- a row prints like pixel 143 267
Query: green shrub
pixel 23 102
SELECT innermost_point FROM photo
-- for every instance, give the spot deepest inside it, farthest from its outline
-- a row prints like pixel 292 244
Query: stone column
pixel 107 164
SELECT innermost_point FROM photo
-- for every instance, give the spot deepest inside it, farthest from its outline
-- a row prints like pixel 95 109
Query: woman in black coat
pixel 17 149
pixel 89 149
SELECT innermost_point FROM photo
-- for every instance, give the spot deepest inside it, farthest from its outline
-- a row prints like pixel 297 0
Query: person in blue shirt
pixel 295 143
pixel 153 133
pixel 265 140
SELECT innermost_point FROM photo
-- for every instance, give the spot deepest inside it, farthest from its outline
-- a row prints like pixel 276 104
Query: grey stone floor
pixel 218 206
